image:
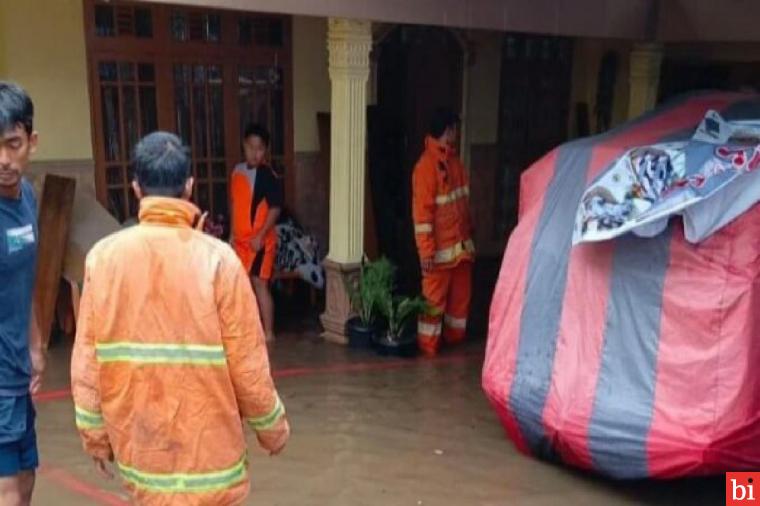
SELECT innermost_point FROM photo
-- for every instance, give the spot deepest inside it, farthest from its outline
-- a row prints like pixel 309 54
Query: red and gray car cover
pixel 633 357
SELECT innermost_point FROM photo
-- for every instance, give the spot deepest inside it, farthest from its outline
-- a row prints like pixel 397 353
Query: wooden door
pixel 419 69
pixel 434 79
pixel 687 76
pixel 200 123
pixel 128 109
pixel 201 73
pixel 534 104
pixel 260 89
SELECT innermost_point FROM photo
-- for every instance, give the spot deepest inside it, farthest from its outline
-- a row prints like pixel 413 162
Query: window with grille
pixel 201 73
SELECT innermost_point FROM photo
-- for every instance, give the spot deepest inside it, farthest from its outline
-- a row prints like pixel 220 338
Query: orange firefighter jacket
pixel 440 202
pixel 169 360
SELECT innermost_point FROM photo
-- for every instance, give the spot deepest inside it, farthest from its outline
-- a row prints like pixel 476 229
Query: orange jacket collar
pixel 442 152
pixel 168 211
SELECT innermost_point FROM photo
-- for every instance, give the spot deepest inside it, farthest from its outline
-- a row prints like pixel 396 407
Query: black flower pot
pixel 359 334
pixel 404 345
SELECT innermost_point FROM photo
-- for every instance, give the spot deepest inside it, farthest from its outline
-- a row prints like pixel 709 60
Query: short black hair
pixel 161 164
pixel 256 130
pixel 442 118
pixel 16 108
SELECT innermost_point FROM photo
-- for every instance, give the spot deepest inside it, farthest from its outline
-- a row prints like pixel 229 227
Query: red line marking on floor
pixel 293 372
pixel 53 395
pixel 371 366
pixel 82 488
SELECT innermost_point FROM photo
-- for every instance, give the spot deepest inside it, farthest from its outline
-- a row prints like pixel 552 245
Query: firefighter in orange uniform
pixel 169 353
pixel 443 234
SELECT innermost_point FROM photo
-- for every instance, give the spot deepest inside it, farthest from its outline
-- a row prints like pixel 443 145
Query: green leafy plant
pixel 399 310
pixel 373 285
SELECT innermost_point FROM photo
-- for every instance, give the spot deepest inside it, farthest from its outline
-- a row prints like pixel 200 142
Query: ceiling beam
pixel 621 19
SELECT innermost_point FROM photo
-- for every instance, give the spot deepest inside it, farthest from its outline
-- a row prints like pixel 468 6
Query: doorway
pixel 534 104
pixel 418 69
pixel 679 76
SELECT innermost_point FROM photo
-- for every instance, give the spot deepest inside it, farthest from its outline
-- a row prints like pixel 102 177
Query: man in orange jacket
pixel 169 353
pixel 440 202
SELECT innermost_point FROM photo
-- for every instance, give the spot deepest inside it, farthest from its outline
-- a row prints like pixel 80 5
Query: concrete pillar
pixel 349 44
pixel 644 78
pixel 3 43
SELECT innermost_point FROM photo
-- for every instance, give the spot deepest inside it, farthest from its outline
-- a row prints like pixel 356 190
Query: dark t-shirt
pixel 267 187
pixel 18 255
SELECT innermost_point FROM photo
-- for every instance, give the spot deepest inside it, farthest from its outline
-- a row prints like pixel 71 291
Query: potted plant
pixel 374 283
pixel 400 338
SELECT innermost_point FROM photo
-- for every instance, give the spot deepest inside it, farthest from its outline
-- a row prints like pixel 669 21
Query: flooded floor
pixel 369 431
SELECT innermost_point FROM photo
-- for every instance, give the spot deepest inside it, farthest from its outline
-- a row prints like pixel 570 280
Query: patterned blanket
pixel 299 252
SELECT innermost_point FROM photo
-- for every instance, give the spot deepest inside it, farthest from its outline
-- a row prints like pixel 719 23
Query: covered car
pixel 635 353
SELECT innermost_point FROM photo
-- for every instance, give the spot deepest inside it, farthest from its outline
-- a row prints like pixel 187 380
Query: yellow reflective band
pixel 423 228
pixel 190 354
pixel 269 420
pixel 453 196
pixel 429 329
pixel 87 420
pixel 190 483
pixel 447 255
pixel 455 323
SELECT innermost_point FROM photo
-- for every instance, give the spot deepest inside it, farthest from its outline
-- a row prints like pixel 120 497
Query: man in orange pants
pixel 443 233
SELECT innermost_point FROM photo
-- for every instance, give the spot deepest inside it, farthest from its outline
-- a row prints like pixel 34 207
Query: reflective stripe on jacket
pixel 440 202
pixel 169 356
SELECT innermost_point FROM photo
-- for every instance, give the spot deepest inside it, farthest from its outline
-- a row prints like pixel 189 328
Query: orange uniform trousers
pixel 448 292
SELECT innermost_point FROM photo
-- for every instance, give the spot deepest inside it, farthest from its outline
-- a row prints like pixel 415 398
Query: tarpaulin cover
pixel 634 357
pixel 710 179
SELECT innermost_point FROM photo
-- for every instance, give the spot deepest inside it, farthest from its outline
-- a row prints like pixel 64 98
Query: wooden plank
pixel 55 213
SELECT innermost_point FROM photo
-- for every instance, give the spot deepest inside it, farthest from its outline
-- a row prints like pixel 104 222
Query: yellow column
pixel 3 44
pixel 349 43
pixel 644 78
